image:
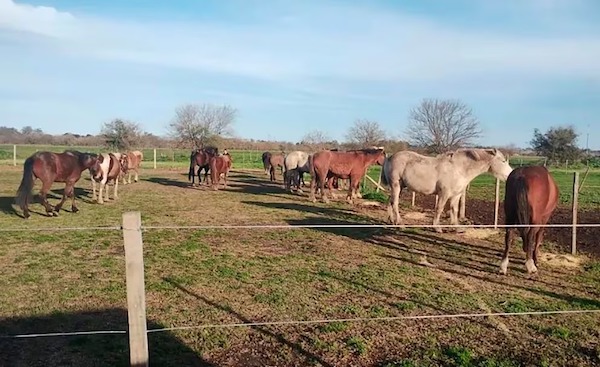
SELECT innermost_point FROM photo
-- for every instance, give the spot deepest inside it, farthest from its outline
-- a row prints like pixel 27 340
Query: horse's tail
pixel 523 207
pixel 384 179
pixel 24 192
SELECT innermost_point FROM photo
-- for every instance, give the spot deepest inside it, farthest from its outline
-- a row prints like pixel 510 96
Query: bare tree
pixel 315 138
pixel 121 134
pixel 442 125
pixel 365 133
pixel 198 125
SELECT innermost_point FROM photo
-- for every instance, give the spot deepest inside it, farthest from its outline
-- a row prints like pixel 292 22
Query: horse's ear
pixel 473 154
pixel 492 151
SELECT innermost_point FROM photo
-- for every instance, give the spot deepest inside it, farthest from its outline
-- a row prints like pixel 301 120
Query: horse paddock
pixel 63 281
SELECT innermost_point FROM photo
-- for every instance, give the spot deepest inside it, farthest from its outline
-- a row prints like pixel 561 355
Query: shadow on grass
pixel 310 358
pixel 165 349
pixel 168 182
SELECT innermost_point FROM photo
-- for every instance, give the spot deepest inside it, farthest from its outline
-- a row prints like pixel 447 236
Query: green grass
pixel 51 279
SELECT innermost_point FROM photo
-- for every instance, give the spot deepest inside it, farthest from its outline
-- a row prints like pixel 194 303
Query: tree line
pixel 434 126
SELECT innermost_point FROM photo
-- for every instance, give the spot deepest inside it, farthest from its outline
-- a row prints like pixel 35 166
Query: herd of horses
pixel 531 194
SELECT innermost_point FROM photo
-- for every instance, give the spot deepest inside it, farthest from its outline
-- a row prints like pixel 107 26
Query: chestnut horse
pixel 52 167
pixel 219 165
pixel 131 162
pixel 266 156
pixel 201 158
pixel 530 199
pixel 325 165
pixel 275 160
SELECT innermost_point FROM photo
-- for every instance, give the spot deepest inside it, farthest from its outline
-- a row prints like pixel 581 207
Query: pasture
pixel 59 281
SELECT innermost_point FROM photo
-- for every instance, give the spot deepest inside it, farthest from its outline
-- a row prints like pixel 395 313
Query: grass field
pixel 74 280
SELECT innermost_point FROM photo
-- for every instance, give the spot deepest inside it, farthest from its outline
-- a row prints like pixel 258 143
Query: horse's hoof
pixel 74 210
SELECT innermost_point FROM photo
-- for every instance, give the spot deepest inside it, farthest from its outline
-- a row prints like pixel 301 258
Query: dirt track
pixel 482 212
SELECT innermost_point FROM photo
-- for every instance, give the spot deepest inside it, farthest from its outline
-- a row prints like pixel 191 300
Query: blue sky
pixel 290 67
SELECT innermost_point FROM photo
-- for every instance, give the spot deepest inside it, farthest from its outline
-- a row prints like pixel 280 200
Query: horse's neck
pixel 476 169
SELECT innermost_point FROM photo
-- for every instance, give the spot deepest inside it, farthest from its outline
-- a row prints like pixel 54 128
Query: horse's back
pixel 539 188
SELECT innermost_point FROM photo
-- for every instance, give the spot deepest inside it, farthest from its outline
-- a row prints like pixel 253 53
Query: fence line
pixel 308 226
pixel 310 322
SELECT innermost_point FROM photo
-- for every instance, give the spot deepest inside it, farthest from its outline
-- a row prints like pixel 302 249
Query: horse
pixel 530 198
pixel 52 167
pixel 131 162
pixel 220 164
pixel 106 168
pixel 201 158
pixel 325 165
pixel 266 156
pixel 446 175
pixel 275 160
pixel 295 164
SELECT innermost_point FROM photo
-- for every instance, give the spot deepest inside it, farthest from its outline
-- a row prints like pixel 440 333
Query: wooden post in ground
pixel 412 202
pixel 14 154
pixel 379 181
pixel 496 204
pixel 136 298
pixel 154 158
pixel 575 202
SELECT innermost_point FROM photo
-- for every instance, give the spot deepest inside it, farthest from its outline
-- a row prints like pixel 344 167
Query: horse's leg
pixel 530 244
pixel 136 175
pixel 102 185
pixel 454 209
pixel 313 187
pixel 393 211
pixel 509 239
pixel 71 193
pixel 116 195
pixel 443 198
pixel 538 241
pixel 46 185
pixel 461 215
pixel 58 206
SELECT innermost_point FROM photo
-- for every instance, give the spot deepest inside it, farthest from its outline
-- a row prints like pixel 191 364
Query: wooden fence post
pixel 412 202
pixel 14 154
pixel 154 158
pixel 575 201
pixel 136 297
pixel 496 204
pixel 378 182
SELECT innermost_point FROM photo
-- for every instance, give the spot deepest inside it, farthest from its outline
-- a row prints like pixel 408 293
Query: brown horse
pixel 131 162
pixel 266 156
pixel 275 160
pixel 201 158
pixel 325 165
pixel 49 168
pixel 530 199
pixel 219 165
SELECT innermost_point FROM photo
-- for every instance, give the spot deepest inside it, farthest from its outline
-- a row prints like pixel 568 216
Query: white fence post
pixel 14 154
pixel 154 158
pixel 496 204
pixel 575 202
pixel 136 297
pixel 412 202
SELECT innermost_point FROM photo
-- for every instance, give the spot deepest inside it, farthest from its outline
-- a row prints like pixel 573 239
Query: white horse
pixel 446 175
pixel 107 168
pixel 295 164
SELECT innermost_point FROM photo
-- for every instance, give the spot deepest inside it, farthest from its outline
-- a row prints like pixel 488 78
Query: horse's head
pixel 96 169
pixel 124 162
pixel 87 160
pixel 499 165
pixel 380 156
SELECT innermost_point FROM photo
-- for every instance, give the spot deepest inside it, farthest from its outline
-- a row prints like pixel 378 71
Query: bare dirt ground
pixel 588 239
pixel 66 281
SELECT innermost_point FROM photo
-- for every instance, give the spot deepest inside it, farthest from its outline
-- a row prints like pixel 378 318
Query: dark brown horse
pixel 275 160
pixel 201 158
pixel 325 165
pixel 530 199
pixel 219 165
pixel 49 168
pixel 266 156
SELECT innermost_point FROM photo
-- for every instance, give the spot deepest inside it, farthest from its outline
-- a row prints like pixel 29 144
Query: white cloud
pixel 308 46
